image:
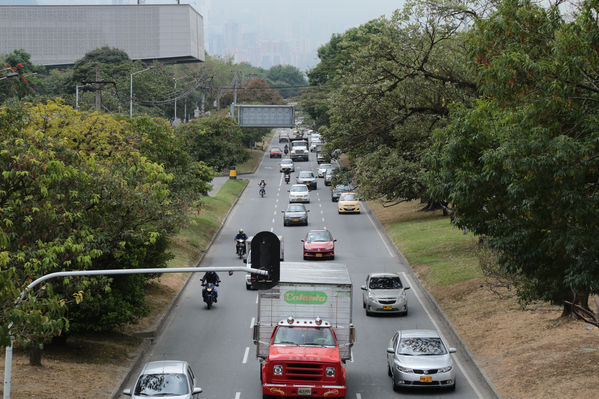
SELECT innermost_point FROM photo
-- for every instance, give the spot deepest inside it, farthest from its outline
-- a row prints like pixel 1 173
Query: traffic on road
pixel 389 349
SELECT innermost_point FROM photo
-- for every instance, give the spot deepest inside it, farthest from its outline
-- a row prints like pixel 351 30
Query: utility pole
pixel 98 91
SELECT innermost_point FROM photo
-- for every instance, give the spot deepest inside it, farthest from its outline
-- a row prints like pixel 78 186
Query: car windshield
pixel 317 336
pixel 421 347
pixel 161 385
pixel 326 166
pixel 347 197
pixel 296 208
pixel 385 283
pixel 299 189
pixel 306 173
pixel 286 162
pixel 298 143
pixel 319 236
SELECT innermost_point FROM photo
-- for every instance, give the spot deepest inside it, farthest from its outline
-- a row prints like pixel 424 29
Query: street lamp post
pixel 131 88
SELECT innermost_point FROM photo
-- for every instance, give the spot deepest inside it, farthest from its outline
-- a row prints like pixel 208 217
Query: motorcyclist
pixel 287 175
pixel 262 185
pixel 286 149
pixel 241 236
pixel 211 278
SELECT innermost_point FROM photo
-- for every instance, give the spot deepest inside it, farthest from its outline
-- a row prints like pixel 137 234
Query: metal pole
pixel 8 355
pixel 175 117
pixel 131 96
pixel 77 96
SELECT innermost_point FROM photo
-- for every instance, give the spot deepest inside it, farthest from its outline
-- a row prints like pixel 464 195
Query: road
pixel 218 342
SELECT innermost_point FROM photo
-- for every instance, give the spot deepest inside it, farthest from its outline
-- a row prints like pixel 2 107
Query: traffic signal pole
pixel 109 272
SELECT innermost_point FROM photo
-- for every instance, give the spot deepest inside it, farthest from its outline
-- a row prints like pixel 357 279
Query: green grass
pixel 194 238
pixel 440 252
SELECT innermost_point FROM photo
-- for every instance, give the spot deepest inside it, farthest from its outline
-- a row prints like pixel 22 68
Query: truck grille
pixel 304 371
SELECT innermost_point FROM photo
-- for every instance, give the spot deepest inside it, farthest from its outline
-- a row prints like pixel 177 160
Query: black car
pixel 336 192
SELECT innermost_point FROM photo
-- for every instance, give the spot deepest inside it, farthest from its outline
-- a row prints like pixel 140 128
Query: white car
pixel 165 379
pixel 287 164
pixel 299 193
pixel 314 144
pixel 322 169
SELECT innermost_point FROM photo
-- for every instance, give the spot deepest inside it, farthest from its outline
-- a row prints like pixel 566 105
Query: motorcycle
pixel 209 294
pixel 287 177
pixel 262 192
pixel 286 151
pixel 240 247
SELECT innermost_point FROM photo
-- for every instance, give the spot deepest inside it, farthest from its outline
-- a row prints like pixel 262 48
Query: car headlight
pixel 330 247
pixel 277 369
pixel 445 369
pixel 307 247
pixel 371 296
pixel 404 369
pixel 329 371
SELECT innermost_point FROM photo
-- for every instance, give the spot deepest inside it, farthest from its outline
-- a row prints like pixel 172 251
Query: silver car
pixel 419 358
pixel 167 379
pixel 384 293
pixel 307 177
pixel 295 214
pixel 286 164
pixel 322 169
pixel 299 193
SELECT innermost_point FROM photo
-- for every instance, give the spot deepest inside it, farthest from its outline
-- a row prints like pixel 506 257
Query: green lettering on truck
pixel 305 297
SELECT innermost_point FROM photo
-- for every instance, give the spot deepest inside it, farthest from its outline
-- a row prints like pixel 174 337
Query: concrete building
pixel 60 35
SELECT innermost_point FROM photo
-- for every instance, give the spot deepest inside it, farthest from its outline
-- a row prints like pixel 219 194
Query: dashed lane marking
pixel 237 395
pixel 252 322
pixel 245 355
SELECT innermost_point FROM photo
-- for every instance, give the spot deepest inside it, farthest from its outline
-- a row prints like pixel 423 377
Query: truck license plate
pixel 319 255
pixel 304 391
pixel 426 378
pixel 387 307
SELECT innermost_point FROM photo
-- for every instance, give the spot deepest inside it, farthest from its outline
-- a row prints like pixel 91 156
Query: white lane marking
pixel 381 236
pixel 323 219
pixel 358 396
pixel 321 211
pixel 320 205
pixel 252 322
pixel 275 212
pixel 273 220
pixel 351 356
pixel 418 297
pixel 277 201
pixel 272 228
pixel 245 355
pixel 256 298
pixel 238 395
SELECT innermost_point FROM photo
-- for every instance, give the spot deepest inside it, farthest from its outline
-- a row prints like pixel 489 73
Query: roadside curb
pixel 463 351
pixel 153 334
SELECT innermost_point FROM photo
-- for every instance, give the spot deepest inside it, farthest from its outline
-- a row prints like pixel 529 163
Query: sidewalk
pixel 217 183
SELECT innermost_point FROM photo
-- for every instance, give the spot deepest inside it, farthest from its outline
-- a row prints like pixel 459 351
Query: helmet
pixel 240 231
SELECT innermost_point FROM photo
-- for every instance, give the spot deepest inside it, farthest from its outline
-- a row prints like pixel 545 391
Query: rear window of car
pixel 301 188
pixel 295 208
pixel 319 236
pixel 306 173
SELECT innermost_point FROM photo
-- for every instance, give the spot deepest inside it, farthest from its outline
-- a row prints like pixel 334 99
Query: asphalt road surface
pixel 218 342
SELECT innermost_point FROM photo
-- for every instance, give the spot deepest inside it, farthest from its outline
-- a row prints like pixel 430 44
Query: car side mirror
pixel 363 288
pixel 196 390
pixel 452 350
pixel 288 191
pixel 406 288
pixel 127 392
pixel 302 240
pixel 282 211
pixel 390 350
pixel 334 240
pixel 245 261
pixel 307 210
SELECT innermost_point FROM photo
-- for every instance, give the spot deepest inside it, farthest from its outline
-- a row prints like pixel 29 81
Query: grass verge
pixel 517 348
pixel 90 366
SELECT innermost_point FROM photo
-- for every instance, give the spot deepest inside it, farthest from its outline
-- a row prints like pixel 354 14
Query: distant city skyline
pixel 265 33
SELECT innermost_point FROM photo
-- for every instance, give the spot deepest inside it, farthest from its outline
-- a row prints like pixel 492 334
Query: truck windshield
pixel 304 336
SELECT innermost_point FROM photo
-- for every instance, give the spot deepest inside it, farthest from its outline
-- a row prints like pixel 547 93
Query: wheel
pixel 247 287
pixel 389 373
pixel 305 257
pixel 284 223
pixel 396 388
pixel 404 313
pixel 363 304
pixel 208 304
pixel 452 388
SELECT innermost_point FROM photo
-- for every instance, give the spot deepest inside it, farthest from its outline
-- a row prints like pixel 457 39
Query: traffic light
pixel 266 251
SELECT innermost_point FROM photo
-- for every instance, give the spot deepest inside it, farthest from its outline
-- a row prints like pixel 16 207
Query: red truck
pixel 304 331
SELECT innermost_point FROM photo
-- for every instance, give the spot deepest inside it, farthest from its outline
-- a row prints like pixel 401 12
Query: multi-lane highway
pixel 218 342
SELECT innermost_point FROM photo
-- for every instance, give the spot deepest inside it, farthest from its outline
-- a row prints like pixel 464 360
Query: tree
pixel 216 140
pixel 282 76
pixel 521 167
pixel 394 83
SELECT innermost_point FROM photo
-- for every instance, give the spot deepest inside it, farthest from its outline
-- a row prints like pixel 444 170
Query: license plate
pixel 319 255
pixel 387 307
pixel 295 219
pixel 426 378
pixel 304 391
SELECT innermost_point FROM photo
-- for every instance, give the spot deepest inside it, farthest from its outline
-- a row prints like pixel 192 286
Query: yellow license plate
pixel 319 255
pixel 387 307
pixel 296 220
pixel 426 378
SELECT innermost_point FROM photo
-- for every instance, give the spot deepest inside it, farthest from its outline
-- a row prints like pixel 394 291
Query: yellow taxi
pixel 348 203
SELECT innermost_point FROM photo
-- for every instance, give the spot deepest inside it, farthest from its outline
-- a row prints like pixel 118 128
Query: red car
pixel 319 244
pixel 275 152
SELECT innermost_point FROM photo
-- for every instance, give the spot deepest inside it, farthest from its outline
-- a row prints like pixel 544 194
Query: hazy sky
pixel 315 20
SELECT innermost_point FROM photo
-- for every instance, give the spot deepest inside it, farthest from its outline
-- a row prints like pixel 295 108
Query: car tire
pixel 363 305
pixel 247 287
pixel 404 314
pixel 452 388
pixel 305 258
pixel 389 373
pixel 396 388
pixel 284 223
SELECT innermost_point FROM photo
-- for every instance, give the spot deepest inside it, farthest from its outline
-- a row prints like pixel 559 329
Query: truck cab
pixel 303 360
